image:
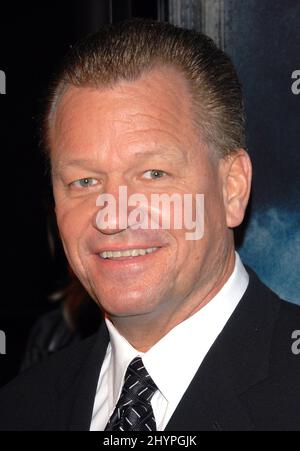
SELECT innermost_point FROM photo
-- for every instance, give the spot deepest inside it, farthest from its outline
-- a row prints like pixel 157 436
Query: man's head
pixel 157 109
pixel 127 50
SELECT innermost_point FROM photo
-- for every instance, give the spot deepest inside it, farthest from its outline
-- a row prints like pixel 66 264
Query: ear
pixel 236 174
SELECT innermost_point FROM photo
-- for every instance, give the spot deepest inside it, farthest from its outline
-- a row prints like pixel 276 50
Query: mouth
pixel 124 254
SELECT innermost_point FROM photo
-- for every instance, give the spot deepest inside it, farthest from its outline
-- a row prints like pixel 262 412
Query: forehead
pixel 154 109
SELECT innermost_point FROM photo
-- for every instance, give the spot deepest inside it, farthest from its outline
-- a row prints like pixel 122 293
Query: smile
pixel 127 253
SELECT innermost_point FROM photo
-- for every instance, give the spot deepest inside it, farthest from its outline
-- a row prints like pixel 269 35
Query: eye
pixel 84 183
pixel 154 174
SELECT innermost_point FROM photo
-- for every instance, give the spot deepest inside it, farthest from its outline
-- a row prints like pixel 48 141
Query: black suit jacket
pixel 249 379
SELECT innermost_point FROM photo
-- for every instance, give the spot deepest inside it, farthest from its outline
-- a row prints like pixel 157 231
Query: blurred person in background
pixel 74 315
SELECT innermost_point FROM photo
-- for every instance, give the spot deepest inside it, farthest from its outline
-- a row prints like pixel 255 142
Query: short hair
pixel 126 50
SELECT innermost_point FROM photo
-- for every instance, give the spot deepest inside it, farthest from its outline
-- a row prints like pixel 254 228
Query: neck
pixel 143 331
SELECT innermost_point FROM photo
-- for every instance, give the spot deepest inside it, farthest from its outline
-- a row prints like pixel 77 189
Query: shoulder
pixel 289 313
pixel 279 395
pixel 287 331
pixel 273 400
pixel 22 398
pixel 286 315
pixel 282 318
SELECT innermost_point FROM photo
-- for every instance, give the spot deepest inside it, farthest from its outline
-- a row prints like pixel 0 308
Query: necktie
pixel 133 411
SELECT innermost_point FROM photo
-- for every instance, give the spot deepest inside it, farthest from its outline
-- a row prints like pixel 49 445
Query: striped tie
pixel 133 411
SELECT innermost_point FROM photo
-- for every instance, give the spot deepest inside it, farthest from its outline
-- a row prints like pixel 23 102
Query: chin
pixel 130 304
pixel 128 311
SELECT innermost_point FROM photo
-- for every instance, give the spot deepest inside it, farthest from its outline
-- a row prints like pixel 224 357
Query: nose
pixel 112 212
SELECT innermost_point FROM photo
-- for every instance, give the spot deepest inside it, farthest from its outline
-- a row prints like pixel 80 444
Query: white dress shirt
pixel 173 361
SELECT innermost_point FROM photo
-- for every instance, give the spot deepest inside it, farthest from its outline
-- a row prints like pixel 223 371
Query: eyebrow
pixel 76 163
pixel 79 162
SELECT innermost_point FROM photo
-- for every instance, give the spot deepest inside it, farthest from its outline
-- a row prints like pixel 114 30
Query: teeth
pixel 127 253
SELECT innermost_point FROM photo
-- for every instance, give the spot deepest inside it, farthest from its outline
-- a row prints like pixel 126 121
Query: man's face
pixel 114 137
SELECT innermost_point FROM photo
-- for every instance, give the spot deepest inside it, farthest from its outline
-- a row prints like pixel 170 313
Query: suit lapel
pixel 210 404
pixel 238 360
pixel 78 393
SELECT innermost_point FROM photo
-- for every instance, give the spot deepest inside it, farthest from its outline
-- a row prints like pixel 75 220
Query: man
pixel 192 340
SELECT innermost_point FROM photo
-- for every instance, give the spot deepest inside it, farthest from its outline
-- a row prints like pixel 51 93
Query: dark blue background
pixel 263 39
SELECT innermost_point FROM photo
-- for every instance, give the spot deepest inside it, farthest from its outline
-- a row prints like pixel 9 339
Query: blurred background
pixel 263 39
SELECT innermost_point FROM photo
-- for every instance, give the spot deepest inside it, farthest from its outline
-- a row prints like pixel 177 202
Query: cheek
pixel 214 209
pixel 185 252
pixel 71 227
pixel 191 252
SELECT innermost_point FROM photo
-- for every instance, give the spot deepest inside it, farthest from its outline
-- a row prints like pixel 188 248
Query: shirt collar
pixel 122 353
pixel 182 350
